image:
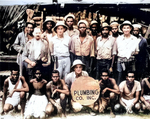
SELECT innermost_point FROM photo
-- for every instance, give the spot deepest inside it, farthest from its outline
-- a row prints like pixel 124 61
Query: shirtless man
pixel 56 92
pixel 109 92
pixel 37 99
pixel 130 92
pixel 145 94
pixel 16 87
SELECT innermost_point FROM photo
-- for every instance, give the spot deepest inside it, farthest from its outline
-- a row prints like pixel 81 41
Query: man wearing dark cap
pixel 126 46
pixel 105 45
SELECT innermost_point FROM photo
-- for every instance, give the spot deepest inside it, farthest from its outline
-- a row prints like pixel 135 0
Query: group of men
pixel 60 46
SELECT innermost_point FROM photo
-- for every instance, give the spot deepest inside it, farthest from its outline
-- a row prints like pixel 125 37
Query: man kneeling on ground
pixel 16 87
pixel 109 92
pixel 37 99
pixel 130 92
pixel 145 94
pixel 56 92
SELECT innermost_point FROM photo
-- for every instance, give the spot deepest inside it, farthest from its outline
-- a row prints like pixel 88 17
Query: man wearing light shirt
pixel 126 46
pixel 105 46
pixel 61 46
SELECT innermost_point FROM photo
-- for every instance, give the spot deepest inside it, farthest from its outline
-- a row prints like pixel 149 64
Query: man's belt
pixel 124 59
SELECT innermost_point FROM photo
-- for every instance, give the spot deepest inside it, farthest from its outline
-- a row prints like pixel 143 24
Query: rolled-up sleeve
pixel 92 52
pixel 16 44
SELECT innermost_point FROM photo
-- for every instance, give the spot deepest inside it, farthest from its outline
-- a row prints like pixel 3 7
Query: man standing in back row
pixel 140 63
pixel 71 31
pixel 105 46
pixel 126 47
pixel 83 45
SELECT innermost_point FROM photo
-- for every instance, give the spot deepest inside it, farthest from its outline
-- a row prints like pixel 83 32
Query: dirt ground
pixel 80 115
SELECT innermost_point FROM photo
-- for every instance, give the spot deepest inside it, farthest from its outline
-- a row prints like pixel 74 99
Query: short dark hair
pixel 14 68
pixel 133 72
pixel 37 68
pixel 104 71
pixel 33 25
pixel 55 71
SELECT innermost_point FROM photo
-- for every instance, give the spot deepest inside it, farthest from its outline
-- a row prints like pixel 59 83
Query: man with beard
pixel 145 94
pixel 56 92
pixel 114 29
pixel 83 46
pixel 115 34
pixel 20 42
pixel 109 92
pixel 71 31
pixel 37 97
pixel 14 89
pixel 126 47
pixel 105 45
pixel 129 93
pixel 140 63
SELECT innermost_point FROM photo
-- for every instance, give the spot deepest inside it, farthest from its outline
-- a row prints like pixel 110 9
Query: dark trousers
pixel 85 60
pixel 102 64
pixel 129 66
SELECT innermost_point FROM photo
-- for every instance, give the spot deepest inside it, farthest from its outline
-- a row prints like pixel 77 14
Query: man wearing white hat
pixel 115 33
pixel 71 31
pixel 77 71
pixel 105 46
pixel 48 25
pixel 126 46
pixel 114 29
pixel 94 33
pixel 140 63
pixel 83 45
pixel 61 48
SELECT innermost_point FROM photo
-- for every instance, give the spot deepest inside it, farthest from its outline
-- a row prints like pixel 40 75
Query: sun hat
pixel 48 18
pixel 114 23
pixel 136 26
pixel 69 15
pixel 126 23
pixel 76 62
pixel 83 21
pixel 104 25
pixel 60 23
pixel 93 22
